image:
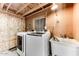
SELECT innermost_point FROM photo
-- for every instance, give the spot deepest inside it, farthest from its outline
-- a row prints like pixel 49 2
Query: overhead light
pixel 54 7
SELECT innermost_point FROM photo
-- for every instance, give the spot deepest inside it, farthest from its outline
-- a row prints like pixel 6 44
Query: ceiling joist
pixel 40 11
pixel 3 11
pixel 22 8
pixel 17 8
pixel 40 6
pixel 8 7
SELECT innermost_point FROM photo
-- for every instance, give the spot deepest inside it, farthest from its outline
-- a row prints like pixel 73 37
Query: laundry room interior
pixel 39 29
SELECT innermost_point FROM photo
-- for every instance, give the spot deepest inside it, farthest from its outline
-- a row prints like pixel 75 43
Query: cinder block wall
pixel 9 26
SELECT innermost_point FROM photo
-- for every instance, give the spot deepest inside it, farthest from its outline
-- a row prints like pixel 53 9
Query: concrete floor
pixel 8 53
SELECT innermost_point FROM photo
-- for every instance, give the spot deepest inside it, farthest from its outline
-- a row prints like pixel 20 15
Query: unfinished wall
pixel 9 26
pixel 65 25
pixel 76 21
pixel 30 20
pixel 64 16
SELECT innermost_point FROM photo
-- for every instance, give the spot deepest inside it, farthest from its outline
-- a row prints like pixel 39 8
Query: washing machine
pixel 37 44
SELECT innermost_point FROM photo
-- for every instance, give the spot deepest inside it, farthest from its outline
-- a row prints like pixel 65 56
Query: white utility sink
pixel 64 47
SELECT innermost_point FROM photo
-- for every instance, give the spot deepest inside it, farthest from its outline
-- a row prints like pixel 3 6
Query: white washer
pixel 37 45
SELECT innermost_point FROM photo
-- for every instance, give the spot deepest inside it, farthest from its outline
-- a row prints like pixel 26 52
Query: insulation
pixel 9 26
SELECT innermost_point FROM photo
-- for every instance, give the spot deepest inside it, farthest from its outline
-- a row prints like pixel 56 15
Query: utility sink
pixel 64 47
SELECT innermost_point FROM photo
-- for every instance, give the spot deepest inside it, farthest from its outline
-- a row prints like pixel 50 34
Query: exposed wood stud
pixel 41 5
pixel 8 7
pixel 22 8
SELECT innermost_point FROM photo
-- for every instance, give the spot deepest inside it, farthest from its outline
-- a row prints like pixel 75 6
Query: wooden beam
pixel 22 8
pixel 41 11
pixel 40 6
pixel 2 5
pixel 3 11
pixel 8 6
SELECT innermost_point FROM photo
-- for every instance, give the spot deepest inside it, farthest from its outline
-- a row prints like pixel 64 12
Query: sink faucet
pixel 56 39
pixel 63 36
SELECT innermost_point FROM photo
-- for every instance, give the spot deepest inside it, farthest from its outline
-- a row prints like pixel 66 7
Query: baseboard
pixel 13 48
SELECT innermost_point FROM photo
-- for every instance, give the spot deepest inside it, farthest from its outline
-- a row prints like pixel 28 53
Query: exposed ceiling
pixel 25 9
pixel 21 9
